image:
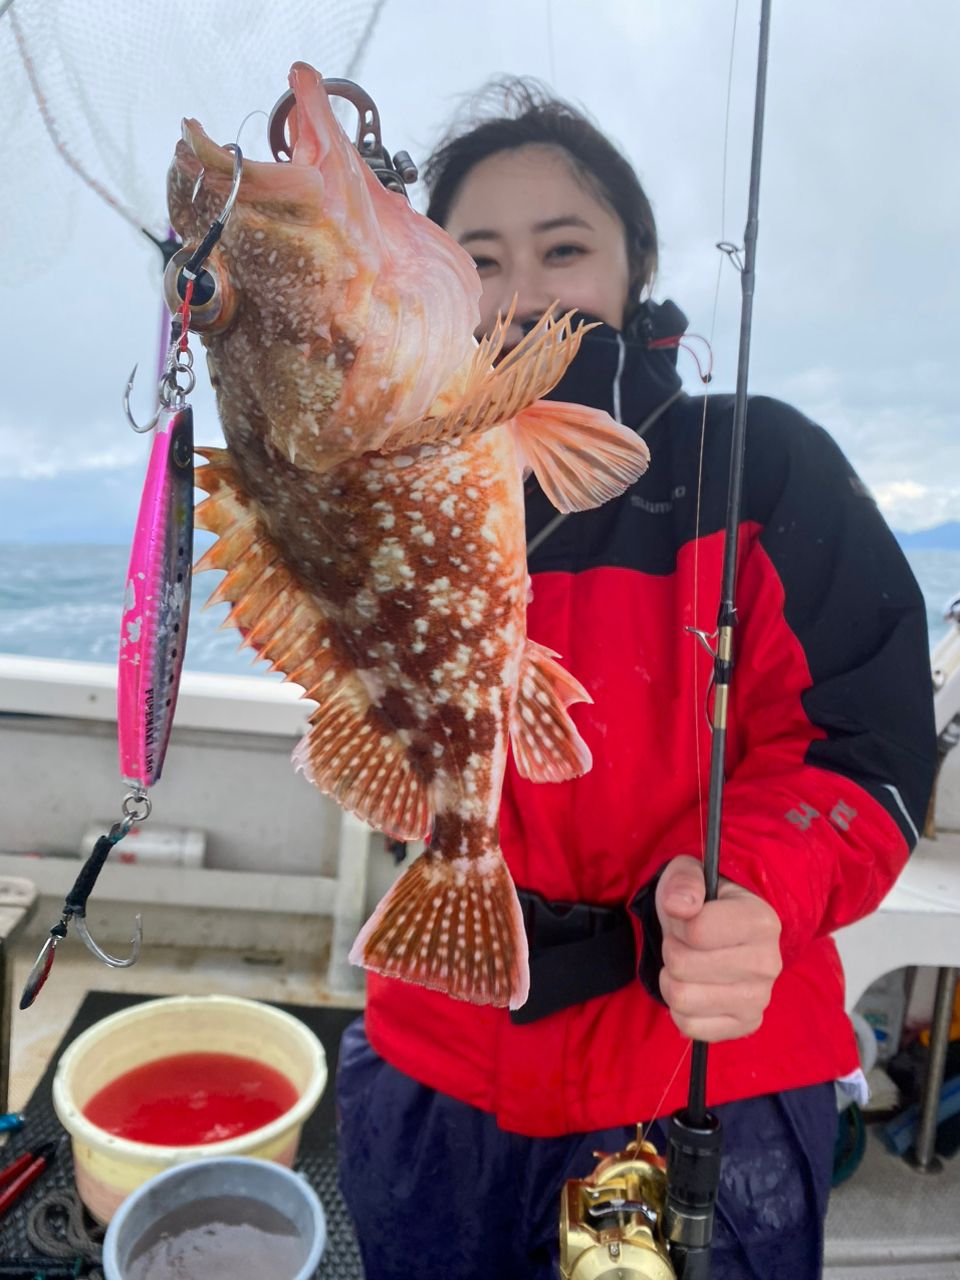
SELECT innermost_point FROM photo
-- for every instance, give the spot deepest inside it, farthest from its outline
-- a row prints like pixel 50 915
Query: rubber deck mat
pixel 317 1158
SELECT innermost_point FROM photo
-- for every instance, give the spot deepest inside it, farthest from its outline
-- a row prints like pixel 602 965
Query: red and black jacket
pixel 830 750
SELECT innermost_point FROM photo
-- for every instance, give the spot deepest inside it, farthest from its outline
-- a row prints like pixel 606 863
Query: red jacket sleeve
pixel 831 737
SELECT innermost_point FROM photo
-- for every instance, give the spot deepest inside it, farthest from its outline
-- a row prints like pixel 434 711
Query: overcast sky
pixel 856 312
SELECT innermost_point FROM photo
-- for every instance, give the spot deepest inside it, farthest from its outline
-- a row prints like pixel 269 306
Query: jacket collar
pixel 620 372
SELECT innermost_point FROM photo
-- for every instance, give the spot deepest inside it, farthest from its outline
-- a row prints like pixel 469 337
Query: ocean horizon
pixel 64 601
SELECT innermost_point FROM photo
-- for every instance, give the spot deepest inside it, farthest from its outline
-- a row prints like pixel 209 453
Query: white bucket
pixel 107 1167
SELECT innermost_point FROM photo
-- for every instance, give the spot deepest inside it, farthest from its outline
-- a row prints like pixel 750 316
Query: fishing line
pixel 257 111
pixel 699 632
pixel 550 47
pixel 676 1071
pixel 723 170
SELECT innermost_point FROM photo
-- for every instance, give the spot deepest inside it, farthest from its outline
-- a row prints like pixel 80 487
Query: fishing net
pixel 100 86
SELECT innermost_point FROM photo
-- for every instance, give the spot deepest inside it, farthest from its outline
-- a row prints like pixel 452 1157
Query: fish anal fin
pixel 350 755
pixel 547 746
pixel 580 456
pixel 351 751
pixel 453 925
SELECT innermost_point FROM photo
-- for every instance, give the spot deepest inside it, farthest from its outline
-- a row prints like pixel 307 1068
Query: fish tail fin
pixel 453 925
pixel 580 456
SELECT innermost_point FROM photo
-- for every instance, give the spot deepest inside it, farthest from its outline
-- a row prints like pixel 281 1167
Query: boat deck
pixel 887 1222
pixel 892 1222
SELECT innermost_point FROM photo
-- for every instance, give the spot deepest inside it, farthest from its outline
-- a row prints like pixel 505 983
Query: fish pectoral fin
pixel 453 925
pixel 580 456
pixel 351 751
pixel 547 746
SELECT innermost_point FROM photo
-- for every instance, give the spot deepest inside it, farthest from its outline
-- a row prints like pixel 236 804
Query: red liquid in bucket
pixel 191 1098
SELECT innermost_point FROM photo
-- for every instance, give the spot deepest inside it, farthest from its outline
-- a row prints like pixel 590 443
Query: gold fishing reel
pixel 612 1222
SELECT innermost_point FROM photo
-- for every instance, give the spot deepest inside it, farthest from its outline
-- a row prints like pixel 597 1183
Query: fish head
pixel 345 313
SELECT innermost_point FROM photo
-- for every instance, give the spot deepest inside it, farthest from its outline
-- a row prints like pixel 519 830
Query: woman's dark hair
pixel 512 113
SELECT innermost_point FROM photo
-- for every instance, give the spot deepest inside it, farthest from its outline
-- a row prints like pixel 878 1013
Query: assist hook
pixel 136 808
pixel 188 267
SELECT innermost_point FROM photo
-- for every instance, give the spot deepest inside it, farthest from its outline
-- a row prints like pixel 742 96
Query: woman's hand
pixel 720 959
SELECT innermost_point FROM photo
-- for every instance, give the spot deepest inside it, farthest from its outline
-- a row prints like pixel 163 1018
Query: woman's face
pixel 536 230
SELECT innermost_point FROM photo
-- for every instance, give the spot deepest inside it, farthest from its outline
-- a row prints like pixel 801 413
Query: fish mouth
pixel 311 127
pixel 324 166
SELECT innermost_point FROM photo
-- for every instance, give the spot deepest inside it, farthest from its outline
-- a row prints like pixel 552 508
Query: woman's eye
pixel 564 252
pixel 485 264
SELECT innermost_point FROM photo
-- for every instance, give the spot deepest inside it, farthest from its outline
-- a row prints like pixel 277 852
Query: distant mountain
pixel 942 537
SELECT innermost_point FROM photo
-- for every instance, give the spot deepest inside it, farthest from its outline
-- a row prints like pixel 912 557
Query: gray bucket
pixel 269 1184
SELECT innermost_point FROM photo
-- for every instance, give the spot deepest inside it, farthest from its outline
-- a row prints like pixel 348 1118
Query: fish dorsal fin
pixel 580 456
pixel 547 746
pixel 351 751
pixel 489 394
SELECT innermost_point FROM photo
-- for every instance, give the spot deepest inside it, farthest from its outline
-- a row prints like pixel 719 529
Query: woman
pixel 460 1124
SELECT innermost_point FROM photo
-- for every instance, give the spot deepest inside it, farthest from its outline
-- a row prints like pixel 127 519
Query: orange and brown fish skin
pixel 370 514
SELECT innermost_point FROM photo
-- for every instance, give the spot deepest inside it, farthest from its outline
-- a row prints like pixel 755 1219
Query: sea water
pixel 65 601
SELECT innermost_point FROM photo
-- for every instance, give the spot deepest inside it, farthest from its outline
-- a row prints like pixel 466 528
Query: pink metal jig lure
pixel 153 629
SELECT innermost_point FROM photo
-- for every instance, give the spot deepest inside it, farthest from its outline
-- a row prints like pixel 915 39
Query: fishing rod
pixel 655 1223
pixel 694 1138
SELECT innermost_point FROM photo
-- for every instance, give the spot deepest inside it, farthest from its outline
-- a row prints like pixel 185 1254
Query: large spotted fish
pixel 370 513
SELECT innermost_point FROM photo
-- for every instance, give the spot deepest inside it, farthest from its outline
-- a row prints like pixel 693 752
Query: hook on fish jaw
pixel 203 250
pixel 396 174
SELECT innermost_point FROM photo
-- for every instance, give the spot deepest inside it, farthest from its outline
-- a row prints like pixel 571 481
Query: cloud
pixel 54 460
pixel 857 283
pixel 908 505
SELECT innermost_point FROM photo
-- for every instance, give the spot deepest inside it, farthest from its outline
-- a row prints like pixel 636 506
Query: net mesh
pixel 100 86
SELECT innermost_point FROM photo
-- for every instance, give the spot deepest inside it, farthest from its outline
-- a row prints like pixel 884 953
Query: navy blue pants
pixel 438 1191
